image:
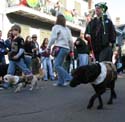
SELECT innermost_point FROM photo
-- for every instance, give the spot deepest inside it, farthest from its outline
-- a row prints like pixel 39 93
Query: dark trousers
pixel 104 55
pixel 123 61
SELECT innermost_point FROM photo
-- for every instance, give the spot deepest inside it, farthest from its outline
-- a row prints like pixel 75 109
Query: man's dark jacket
pixel 102 33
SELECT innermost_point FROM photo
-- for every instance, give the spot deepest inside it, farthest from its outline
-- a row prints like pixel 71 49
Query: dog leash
pixel 93 54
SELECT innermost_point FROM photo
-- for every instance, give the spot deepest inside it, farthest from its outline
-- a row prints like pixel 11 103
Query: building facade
pixel 36 17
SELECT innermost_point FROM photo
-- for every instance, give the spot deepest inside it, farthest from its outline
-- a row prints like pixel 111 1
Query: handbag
pixel 55 51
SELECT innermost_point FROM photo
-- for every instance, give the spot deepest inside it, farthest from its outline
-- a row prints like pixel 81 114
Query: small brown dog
pixel 21 81
pixel 24 80
pixel 36 68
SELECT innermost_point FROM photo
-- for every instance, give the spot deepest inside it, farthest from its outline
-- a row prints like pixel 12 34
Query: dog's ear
pixel 84 74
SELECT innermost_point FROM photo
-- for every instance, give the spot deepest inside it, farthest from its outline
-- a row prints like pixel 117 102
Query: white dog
pixel 21 81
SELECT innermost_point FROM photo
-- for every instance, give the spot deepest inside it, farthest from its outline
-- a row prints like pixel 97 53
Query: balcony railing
pixel 39 5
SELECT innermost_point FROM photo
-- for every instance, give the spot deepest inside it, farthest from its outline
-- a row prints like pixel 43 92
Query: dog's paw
pixel 109 102
pixel 33 85
pixel 30 89
pixel 17 90
pixel 89 106
pixel 99 107
pixel 114 96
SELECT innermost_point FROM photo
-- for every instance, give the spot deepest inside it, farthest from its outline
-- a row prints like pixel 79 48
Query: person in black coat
pixel 100 33
pixel 82 50
pixel 2 50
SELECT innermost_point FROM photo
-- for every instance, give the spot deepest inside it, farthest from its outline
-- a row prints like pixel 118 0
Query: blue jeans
pixel 27 60
pixel 83 59
pixel 47 66
pixel 20 64
pixel 63 75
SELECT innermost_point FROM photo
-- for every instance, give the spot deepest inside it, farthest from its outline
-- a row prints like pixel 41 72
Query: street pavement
pixel 60 104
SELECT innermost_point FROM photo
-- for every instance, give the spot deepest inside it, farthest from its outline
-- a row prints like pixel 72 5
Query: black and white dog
pixel 101 75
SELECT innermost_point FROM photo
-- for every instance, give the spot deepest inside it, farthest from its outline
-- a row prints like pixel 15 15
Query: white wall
pixel 84 5
pixel 1 22
pixel 70 4
pixel 37 32
pixel 3 5
pixel 6 25
pixel 4 22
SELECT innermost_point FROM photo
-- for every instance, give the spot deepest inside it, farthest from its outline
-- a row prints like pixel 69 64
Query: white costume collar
pixel 102 75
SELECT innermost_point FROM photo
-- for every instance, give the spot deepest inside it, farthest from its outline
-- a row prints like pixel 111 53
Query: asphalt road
pixel 56 104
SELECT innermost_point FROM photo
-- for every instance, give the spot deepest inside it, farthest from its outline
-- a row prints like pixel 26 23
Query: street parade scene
pixel 62 61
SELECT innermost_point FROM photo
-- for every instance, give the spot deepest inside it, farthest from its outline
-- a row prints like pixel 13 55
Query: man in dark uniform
pixel 100 33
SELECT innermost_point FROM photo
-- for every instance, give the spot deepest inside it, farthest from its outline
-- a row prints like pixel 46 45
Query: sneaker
pixel 57 84
pixel 66 84
pixel 45 79
pixel 52 79
pixel 120 76
pixel 1 88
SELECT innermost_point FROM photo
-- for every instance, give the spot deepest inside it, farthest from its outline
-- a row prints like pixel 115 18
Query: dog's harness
pixel 111 71
pixel 108 73
pixel 102 75
pixel 25 79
